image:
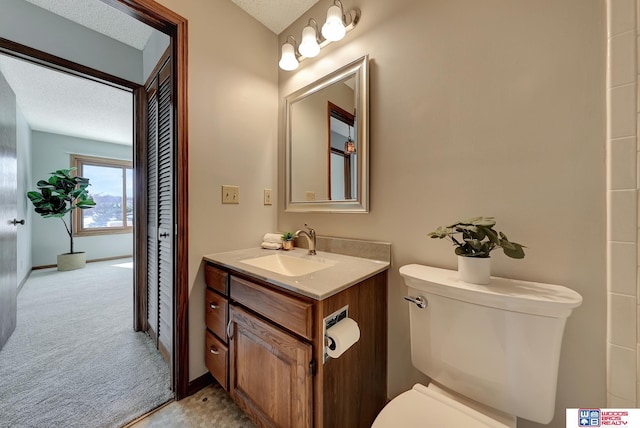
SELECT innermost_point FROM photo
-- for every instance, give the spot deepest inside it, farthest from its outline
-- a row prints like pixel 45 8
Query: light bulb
pixel 309 45
pixel 288 61
pixel 333 29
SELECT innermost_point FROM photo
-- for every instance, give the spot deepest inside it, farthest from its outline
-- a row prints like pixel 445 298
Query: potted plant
pixel 287 240
pixel 476 239
pixel 57 196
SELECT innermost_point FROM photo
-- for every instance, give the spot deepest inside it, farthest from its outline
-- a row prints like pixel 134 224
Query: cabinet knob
pixel 214 351
pixel 212 305
pixel 16 222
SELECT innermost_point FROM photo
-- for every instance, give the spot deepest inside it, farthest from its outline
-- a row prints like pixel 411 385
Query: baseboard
pixel 104 259
pixel 198 383
pixel 24 280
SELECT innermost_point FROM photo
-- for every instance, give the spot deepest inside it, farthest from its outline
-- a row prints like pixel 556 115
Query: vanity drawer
pixel 292 313
pixel 216 359
pixel 216 279
pixel 216 310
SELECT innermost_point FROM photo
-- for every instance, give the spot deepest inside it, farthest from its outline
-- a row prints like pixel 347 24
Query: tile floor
pixel 210 407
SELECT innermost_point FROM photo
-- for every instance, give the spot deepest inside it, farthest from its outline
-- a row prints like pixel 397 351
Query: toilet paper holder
pixel 329 321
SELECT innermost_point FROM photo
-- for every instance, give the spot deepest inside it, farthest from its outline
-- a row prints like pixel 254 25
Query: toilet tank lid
pixel 514 295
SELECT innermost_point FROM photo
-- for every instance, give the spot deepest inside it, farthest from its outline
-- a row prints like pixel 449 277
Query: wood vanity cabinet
pixel 274 369
pixel 216 317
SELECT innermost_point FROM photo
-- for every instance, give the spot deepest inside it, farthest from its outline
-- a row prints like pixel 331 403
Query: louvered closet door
pixel 165 212
pixel 160 209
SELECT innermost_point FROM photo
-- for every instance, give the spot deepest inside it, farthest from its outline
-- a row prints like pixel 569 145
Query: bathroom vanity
pixel 266 314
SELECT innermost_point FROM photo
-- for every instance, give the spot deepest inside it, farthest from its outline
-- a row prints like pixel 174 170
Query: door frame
pixel 170 23
pixel 163 19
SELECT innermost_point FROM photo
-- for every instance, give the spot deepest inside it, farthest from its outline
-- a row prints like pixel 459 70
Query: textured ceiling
pixel 276 15
pixel 102 18
pixel 52 101
pixel 56 102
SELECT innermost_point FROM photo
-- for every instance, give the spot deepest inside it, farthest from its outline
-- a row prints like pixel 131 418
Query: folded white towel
pixel 271 245
pixel 273 237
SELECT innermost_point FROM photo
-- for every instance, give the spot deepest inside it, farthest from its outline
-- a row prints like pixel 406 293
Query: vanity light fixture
pixel 338 23
pixel 334 28
pixel 288 61
pixel 310 44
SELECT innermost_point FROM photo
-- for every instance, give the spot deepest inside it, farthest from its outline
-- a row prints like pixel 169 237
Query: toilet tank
pixel 498 344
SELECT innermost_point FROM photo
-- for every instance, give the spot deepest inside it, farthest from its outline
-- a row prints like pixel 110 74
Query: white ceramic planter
pixel 475 270
pixel 71 261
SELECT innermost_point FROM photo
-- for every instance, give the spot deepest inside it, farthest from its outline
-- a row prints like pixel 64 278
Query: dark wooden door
pixel 8 211
pixel 160 208
pixel 269 374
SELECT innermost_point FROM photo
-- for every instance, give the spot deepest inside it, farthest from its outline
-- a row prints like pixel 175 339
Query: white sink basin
pixel 288 265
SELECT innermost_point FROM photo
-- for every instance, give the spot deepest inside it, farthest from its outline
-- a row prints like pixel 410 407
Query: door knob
pixel 16 222
pixel 164 235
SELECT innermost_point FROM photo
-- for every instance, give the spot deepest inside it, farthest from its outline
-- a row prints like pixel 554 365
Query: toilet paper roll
pixel 342 336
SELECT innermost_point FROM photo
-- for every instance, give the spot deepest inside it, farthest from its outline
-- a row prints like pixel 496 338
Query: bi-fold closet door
pixel 160 208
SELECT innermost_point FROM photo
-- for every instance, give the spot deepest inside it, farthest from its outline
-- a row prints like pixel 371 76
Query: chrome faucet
pixel 310 234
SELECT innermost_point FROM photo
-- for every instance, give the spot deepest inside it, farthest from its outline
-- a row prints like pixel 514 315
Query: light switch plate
pixel 268 196
pixel 230 194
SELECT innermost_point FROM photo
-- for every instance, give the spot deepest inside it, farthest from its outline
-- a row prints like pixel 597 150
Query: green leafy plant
pixel 59 195
pixel 288 236
pixel 477 238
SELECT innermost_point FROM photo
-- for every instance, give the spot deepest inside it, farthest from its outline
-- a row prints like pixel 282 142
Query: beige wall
pixel 483 108
pixel 232 139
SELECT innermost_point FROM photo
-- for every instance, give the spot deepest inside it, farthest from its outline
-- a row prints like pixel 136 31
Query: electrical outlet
pixel 267 197
pixel 230 194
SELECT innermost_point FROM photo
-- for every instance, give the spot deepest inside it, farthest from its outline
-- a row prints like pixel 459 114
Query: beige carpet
pixel 74 359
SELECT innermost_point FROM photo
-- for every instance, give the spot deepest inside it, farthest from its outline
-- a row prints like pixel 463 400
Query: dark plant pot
pixel 72 261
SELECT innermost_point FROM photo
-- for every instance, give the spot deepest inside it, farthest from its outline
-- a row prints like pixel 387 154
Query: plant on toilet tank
pixel 474 240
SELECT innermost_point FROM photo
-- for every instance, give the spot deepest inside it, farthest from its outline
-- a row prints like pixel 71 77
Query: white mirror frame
pixel 360 68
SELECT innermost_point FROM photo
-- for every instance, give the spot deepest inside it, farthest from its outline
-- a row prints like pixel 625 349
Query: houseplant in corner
pixel 57 196
pixel 474 240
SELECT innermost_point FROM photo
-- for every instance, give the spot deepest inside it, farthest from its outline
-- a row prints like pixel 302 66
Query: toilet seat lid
pixel 422 406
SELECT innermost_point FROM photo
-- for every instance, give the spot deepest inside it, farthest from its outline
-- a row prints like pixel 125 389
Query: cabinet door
pixel 270 374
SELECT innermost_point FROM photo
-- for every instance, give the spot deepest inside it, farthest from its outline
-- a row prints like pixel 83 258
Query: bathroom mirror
pixel 327 143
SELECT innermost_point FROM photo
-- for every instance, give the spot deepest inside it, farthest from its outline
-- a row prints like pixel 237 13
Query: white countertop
pixel 343 272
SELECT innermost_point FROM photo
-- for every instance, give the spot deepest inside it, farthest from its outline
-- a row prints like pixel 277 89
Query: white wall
pixel 233 122
pixel 152 52
pixel 25 209
pixel 483 108
pixel 49 153
pixel 38 28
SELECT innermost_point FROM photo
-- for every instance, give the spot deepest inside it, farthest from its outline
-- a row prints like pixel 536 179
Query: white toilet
pixel 491 351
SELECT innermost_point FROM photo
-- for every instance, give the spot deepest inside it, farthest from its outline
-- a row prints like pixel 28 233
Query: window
pixel 111 186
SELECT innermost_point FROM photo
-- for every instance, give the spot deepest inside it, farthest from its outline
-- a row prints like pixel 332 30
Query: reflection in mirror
pixel 327 143
pixel 342 149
